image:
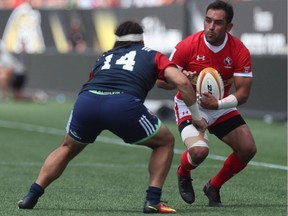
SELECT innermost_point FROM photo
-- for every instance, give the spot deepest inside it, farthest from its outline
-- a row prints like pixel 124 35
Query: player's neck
pixel 215 48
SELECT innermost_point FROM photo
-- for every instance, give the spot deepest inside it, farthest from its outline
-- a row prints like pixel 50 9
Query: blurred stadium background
pixel 59 70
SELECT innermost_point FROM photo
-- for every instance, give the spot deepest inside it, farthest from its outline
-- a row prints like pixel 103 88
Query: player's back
pixel 129 70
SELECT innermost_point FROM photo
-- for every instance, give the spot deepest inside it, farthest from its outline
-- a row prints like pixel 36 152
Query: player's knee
pixel 251 150
pixel 198 154
pixel 165 139
pixel 247 152
pixel 170 140
pixel 196 143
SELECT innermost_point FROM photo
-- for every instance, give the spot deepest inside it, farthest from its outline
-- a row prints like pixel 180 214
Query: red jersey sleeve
pixel 162 62
pixel 244 63
pixel 181 53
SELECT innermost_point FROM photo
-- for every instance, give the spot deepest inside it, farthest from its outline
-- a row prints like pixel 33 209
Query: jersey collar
pixel 216 49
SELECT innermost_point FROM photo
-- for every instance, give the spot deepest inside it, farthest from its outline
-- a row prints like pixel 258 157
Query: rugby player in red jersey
pixel 215 47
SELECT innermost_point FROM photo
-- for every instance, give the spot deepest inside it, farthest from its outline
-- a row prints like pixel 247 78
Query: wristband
pixel 195 112
pixel 228 102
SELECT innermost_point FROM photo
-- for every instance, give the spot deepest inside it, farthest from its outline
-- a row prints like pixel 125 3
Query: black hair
pixel 125 28
pixel 223 5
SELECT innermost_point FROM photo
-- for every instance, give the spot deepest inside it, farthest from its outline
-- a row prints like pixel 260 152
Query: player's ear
pixel 229 27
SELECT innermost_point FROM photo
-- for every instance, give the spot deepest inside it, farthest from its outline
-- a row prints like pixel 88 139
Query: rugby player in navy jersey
pixel 113 100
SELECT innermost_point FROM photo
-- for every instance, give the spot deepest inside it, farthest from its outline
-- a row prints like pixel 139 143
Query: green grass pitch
pixel 110 178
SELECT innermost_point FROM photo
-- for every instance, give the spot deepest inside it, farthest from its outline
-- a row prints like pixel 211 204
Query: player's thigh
pixel 84 124
pixel 235 132
pixel 161 138
pixel 240 139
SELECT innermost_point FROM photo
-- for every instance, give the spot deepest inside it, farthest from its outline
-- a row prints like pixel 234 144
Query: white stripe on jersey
pixel 243 74
pixel 146 49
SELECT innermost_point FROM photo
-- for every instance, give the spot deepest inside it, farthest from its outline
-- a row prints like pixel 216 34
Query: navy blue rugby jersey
pixel 132 70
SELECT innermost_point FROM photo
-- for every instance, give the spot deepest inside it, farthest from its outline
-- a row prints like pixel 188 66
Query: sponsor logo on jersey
pixel 200 58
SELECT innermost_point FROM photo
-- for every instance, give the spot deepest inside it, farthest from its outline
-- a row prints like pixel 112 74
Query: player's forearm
pixel 187 93
pixel 164 85
pixel 243 87
pixel 189 97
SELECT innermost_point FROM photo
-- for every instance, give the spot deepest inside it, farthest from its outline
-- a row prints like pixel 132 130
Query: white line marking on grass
pixel 54 131
pixel 75 164
pixel 253 163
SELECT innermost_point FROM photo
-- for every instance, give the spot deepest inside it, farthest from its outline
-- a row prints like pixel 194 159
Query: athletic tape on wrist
pixel 228 102
pixel 195 112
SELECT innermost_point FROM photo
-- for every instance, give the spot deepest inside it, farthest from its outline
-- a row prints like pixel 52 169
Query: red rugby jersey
pixel 230 59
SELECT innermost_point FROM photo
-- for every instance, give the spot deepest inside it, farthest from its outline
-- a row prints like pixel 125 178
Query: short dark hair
pixel 223 5
pixel 125 28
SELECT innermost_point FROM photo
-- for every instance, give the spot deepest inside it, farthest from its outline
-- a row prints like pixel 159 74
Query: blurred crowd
pixel 23 34
pixel 88 4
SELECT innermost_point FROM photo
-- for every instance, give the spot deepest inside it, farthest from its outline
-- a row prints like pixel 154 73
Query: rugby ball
pixel 209 80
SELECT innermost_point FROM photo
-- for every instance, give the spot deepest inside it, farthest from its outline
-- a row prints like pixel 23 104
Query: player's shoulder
pixel 236 42
pixel 237 45
pixel 190 42
pixel 148 49
pixel 142 48
pixel 145 52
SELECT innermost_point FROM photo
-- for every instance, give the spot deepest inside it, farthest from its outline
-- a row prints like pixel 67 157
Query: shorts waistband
pixel 105 92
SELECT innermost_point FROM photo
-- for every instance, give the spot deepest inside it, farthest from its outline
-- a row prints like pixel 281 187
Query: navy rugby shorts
pixel 122 114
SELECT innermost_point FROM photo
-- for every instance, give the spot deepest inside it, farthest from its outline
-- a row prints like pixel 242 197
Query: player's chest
pixel 222 61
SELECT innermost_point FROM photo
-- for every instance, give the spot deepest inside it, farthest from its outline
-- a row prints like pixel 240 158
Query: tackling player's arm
pixel 165 85
pixel 175 77
pixel 170 86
